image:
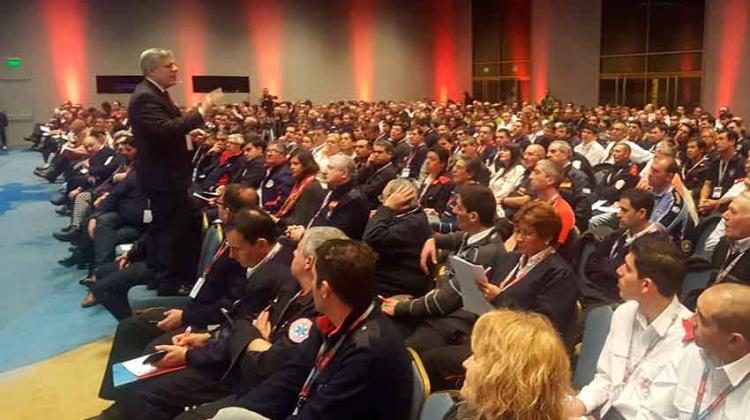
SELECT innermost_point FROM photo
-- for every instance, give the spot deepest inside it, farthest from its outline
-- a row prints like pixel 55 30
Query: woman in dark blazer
pixel 436 189
pixel 534 279
pixel 307 194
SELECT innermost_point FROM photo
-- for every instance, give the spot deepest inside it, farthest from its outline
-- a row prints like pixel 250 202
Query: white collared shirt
pixel 675 390
pixel 593 152
pixel 479 236
pixel 629 337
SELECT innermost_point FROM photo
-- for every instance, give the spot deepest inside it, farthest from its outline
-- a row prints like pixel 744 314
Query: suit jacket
pixel 253 173
pixel 550 289
pixel 347 209
pixel 398 240
pixel 103 164
pixel 159 129
pixel 436 194
pixel 575 188
pixel 276 187
pixel 372 181
pixel 228 170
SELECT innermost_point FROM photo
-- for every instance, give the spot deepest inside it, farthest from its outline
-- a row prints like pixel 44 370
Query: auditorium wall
pixel 726 77
pixel 319 50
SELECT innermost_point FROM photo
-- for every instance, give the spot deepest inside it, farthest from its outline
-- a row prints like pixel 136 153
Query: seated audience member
pixel 621 176
pixel 224 282
pixel 734 192
pixel 464 172
pixel 367 376
pixel 486 141
pixel 330 148
pixel 278 182
pixel 343 207
pixel 378 172
pixel 112 281
pixel 649 324
pixel 413 168
pixel 242 356
pixel 227 167
pixel 545 180
pixel 306 195
pixel 709 379
pixel 470 151
pixel 507 173
pixel 435 190
pixel 254 171
pixel 396 232
pixel 362 150
pixel 518 370
pixel 401 147
pixel 730 258
pixel 670 211
pixel 617 134
pixel 522 193
pixel 728 167
pixel 575 187
pixel 696 168
pixel 536 280
pixel 437 319
pixel 589 147
pixel 599 285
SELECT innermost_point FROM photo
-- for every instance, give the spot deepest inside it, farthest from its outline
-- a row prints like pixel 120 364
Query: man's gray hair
pixel 551 170
pixel 343 162
pixel 152 57
pixel 563 146
pixel 397 183
pixel 315 236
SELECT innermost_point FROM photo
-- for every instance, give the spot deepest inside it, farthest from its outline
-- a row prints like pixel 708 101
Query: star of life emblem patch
pixel 300 330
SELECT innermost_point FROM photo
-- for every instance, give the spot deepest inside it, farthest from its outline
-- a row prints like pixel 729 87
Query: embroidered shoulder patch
pixel 300 330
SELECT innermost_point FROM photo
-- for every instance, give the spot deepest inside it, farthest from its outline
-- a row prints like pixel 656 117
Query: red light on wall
pixel 361 16
pixel 443 30
pixel 264 19
pixel 191 31
pixel 65 22
pixel 732 44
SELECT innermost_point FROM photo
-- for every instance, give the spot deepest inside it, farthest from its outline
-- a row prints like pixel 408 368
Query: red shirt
pixel 566 215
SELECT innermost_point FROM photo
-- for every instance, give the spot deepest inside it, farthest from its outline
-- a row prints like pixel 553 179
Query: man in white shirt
pixel 710 380
pixel 590 148
pixel 645 333
pixel 638 155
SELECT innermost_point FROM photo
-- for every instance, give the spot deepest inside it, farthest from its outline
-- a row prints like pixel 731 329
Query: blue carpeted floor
pixel 40 315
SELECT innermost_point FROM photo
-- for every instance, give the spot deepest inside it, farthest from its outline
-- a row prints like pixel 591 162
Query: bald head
pixel 728 304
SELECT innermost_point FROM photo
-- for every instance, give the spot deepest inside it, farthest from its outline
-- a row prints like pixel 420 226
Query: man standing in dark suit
pixel 3 124
pixel 163 164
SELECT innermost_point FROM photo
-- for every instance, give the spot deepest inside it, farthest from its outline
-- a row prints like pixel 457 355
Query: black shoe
pixel 59 201
pixel 70 261
pixel 67 229
pixel 63 211
pixel 67 236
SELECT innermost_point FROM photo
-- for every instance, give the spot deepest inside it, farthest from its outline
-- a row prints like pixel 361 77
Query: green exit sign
pixel 13 62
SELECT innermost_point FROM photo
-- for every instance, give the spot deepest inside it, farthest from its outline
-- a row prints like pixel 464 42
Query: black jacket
pixel 103 164
pixel 398 240
pixel 253 173
pixel 306 206
pixel 740 272
pixel 372 180
pixel 369 377
pixel 550 289
pixel 232 167
pixel 127 199
pixel 275 188
pixel 347 209
pixel 224 284
pixel 575 188
pixel 436 194
pixel 615 180
pixel 159 131
pixel 441 307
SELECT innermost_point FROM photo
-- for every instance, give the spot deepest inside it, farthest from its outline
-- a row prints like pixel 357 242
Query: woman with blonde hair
pixel 519 370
